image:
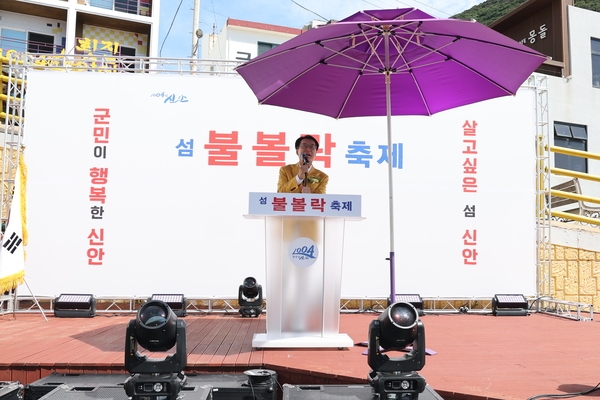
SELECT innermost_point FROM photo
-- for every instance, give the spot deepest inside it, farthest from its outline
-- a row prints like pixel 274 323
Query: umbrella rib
pixel 446 57
pixel 343 106
pixel 342 53
pixel 361 70
pixel 360 52
pixel 282 86
pixel 449 58
pixel 420 93
pixel 490 43
pixel 267 55
pixel 399 17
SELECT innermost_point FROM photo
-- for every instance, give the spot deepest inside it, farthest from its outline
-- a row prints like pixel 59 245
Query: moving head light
pixel 250 298
pixel 157 329
pixel 395 329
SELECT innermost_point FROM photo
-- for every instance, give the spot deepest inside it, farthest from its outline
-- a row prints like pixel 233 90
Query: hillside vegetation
pixel 491 10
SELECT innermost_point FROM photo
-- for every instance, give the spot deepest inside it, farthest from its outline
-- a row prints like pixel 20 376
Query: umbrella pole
pixel 388 107
pixel 392 259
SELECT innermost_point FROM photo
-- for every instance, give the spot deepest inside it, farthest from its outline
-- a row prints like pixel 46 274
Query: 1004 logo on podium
pixel 303 252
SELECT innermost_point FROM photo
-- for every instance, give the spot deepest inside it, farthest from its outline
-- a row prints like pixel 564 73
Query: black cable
pixel 566 395
pixel 425 4
pixel 169 31
pixel 251 387
pixel 320 16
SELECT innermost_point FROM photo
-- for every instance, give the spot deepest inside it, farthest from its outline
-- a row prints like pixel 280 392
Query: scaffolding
pixel 12 121
pixel 14 78
pixel 543 220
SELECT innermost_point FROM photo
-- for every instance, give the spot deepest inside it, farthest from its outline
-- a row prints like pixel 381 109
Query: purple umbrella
pixel 390 62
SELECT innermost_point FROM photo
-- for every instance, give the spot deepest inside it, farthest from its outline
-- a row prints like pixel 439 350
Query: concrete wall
pixel 575 263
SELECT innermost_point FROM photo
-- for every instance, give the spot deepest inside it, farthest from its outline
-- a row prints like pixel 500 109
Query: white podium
pixel 304 251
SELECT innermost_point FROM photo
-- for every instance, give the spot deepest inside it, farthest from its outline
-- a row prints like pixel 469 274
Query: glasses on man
pixel 308 146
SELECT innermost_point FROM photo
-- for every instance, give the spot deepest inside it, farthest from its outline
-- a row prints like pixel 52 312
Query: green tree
pixel 492 10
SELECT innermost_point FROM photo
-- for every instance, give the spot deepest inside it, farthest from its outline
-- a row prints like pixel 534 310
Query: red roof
pixel 264 27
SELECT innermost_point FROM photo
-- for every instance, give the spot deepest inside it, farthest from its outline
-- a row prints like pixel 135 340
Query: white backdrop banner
pixel 138 184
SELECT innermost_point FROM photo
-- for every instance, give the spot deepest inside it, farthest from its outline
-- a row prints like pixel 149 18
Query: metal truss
pixel 13 117
pixel 545 303
pixel 543 220
pixel 123 305
pixel 13 74
pixel 565 309
pixel 11 126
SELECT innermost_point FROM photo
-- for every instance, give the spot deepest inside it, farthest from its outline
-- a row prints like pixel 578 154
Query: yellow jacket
pixel 317 180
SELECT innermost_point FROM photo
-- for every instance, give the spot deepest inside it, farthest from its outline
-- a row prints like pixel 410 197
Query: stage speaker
pixel 177 302
pixel 66 392
pixel 38 389
pixel 74 306
pixel 96 386
pixel 11 391
pixel 413 299
pixel 509 304
pixel 254 384
pixel 353 392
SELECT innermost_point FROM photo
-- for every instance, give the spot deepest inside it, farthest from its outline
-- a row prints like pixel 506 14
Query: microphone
pixel 305 161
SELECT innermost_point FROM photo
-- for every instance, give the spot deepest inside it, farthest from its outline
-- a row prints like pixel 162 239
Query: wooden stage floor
pixel 478 356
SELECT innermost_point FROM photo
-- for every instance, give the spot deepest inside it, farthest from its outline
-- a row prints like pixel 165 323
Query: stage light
pixel 177 302
pixel 397 328
pixel 250 298
pixel 509 304
pixel 413 299
pixel 157 329
pixel 74 306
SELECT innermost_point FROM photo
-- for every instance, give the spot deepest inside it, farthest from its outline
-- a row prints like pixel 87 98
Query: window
pixel 264 47
pixel 39 43
pixel 571 137
pixel 29 42
pixel 102 4
pixel 13 40
pixel 596 63
pixel 129 63
pixel 127 6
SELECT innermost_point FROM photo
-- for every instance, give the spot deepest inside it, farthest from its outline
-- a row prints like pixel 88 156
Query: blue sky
pixel 176 20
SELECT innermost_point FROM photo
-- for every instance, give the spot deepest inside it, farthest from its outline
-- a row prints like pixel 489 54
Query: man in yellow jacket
pixel 302 177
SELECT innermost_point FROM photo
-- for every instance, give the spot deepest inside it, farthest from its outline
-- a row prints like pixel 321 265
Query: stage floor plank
pixel 478 356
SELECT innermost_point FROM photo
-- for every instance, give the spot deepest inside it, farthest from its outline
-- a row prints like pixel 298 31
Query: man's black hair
pixel 306 137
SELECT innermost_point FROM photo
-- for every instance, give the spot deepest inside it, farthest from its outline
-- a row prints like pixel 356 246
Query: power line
pixel 436 9
pixel 311 11
pixel 171 26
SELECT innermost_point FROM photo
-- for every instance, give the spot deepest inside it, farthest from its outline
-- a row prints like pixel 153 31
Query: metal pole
pixel 388 106
pixel 195 36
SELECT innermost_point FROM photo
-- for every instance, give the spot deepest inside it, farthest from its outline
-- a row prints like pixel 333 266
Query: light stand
pixel 156 328
pixel 395 329
pixel 250 298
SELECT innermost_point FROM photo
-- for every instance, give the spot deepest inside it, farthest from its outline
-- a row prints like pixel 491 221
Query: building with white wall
pixel 571 36
pixel 575 98
pixel 91 27
pixel 243 40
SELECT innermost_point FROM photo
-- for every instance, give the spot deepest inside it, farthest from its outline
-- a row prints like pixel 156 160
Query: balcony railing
pixel 29 46
pixel 138 7
pixel 83 46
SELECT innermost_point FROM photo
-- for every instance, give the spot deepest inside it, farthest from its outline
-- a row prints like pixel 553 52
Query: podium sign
pixel 303 205
pixel 304 248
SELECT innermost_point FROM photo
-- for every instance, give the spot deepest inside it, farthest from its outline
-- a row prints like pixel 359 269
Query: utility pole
pixel 196 34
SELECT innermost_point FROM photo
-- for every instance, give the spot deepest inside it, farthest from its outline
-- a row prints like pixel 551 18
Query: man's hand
pixel 303 171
